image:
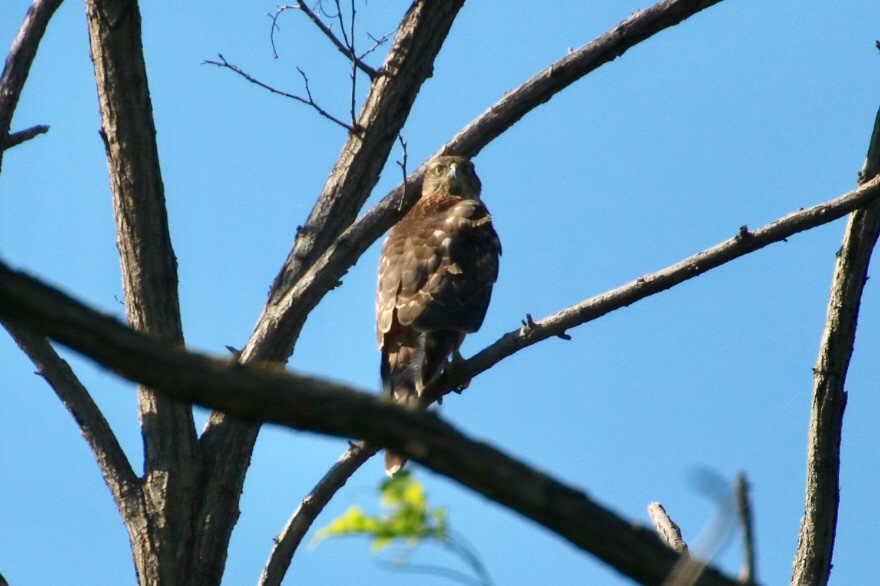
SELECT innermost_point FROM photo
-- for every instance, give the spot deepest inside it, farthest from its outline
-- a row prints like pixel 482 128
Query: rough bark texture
pixel 812 563
pixel 161 537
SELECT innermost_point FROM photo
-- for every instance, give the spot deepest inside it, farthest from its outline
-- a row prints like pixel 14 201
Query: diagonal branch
pixel 344 48
pixel 325 273
pixel 227 443
pixel 256 393
pixel 744 243
pixel 812 563
pixel 308 100
pixel 311 506
pixel 114 465
pixel 19 60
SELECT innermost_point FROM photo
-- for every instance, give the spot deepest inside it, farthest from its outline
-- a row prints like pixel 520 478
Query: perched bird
pixel 436 273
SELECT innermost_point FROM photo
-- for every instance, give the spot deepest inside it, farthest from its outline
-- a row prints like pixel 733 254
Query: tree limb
pixel 16 138
pixel 812 563
pixel 226 442
pixel 326 271
pixel 114 465
pixel 19 60
pixel 264 394
pixel 311 506
pixel 149 275
pixel 743 243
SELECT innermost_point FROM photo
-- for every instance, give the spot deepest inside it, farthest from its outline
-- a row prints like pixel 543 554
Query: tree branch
pixel 16 138
pixel 345 49
pixel 743 243
pixel 19 60
pixel 117 471
pixel 264 394
pixel 149 275
pixel 226 442
pixel 325 273
pixel 311 506
pixel 812 563
pixel 308 100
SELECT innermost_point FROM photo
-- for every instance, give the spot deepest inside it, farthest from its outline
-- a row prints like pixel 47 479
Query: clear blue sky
pixel 742 114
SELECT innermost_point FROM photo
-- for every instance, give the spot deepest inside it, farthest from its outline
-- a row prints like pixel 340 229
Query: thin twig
pixel 309 101
pixel 16 138
pixel 402 165
pixel 343 48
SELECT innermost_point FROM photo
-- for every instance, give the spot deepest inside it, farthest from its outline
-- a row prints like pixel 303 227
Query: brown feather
pixel 436 273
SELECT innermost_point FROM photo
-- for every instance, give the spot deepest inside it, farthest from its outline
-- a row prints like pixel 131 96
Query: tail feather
pixel 410 362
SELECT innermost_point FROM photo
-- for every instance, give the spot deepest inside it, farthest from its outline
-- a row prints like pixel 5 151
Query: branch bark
pixel 117 471
pixel 287 542
pixel 16 138
pixel 743 243
pixel 149 271
pixel 812 563
pixel 227 443
pixel 263 394
pixel 18 62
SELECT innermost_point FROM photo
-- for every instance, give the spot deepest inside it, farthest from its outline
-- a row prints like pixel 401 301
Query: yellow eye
pixel 438 170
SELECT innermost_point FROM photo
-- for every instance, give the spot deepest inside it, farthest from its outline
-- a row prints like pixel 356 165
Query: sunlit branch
pixel 746 241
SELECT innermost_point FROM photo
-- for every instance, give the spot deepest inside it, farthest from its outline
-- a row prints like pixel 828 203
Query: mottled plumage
pixel 436 273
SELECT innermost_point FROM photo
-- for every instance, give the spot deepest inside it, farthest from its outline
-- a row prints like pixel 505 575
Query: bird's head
pixel 452 175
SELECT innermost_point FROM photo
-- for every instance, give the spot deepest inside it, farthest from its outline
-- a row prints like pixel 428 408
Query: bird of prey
pixel 436 273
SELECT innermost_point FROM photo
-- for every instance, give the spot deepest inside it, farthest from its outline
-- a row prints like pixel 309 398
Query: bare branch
pixel 311 506
pixel 19 60
pixel 114 465
pixel 345 48
pixel 254 393
pixel 743 243
pixel 669 532
pixel 16 138
pixel 749 572
pixel 149 275
pixel 308 100
pixel 812 563
pixel 320 277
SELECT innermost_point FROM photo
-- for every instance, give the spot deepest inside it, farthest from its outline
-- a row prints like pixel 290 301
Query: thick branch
pixel 812 563
pixel 227 443
pixel 149 274
pixel 323 275
pixel 19 60
pixel 744 243
pixel 267 395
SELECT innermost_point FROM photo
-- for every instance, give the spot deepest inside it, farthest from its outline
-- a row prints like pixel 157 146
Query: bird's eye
pixel 438 170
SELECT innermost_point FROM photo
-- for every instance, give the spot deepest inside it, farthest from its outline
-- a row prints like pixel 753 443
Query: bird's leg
pixel 454 360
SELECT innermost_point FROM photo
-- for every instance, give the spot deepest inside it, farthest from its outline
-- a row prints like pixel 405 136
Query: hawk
pixel 436 273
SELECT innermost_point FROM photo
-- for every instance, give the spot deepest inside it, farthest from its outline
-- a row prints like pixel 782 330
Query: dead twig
pixel 308 100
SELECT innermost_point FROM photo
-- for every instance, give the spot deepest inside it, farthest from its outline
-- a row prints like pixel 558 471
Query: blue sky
pixel 742 114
